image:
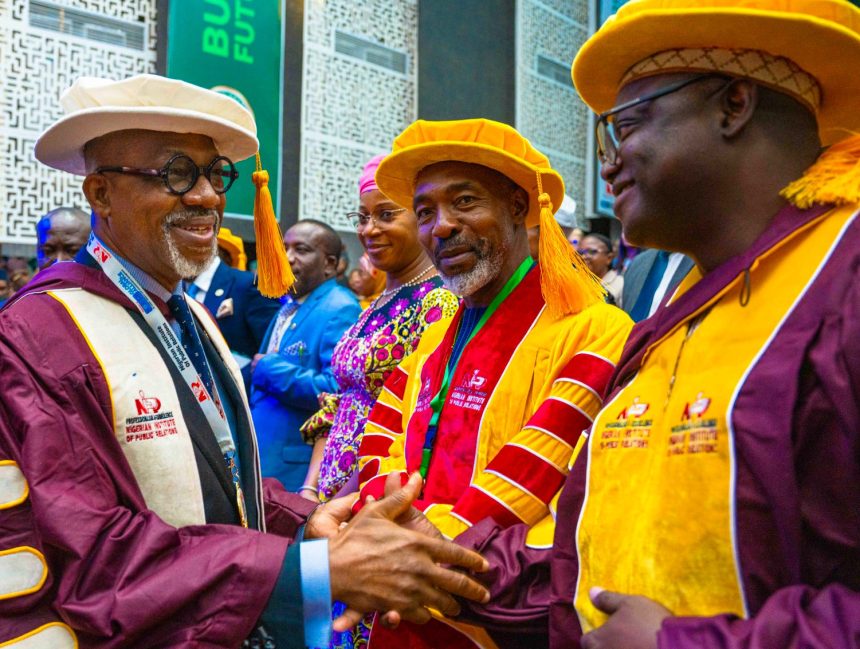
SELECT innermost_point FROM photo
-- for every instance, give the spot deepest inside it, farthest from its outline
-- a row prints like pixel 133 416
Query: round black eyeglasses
pixel 181 173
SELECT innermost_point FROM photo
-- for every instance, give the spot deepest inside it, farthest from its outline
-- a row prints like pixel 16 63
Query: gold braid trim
pixel 776 72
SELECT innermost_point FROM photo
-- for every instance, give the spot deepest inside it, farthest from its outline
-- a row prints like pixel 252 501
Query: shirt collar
pixel 145 280
pixel 204 279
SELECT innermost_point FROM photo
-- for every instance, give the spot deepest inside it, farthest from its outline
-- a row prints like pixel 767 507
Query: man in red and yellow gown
pixel 491 405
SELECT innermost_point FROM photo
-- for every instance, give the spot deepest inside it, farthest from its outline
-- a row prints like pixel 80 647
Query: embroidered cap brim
pixel 822 38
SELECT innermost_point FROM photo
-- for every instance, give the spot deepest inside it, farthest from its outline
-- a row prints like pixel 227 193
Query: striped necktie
pixel 288 308
pixel 192 289
pixel 652 282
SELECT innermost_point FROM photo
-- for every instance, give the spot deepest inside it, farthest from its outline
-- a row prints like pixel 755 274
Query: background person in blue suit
pixel 242 313
pixel 294 364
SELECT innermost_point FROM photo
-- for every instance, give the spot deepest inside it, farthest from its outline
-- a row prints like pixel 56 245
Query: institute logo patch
pixel 151 423
pixel 631 429
pixel 470 393
pixel 695 433
pixel 696 409
pixel 635 410
pixel 147 405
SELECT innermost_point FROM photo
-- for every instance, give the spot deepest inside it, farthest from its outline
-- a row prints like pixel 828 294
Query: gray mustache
pixel 185 217
pixel 454 242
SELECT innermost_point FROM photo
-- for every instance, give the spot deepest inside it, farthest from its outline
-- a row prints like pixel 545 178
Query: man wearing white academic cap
pixel 131 506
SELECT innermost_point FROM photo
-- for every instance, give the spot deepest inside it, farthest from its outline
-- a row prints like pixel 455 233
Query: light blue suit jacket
pixel 285 385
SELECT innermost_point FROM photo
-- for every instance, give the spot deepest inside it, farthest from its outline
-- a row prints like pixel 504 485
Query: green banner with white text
pixel 235 47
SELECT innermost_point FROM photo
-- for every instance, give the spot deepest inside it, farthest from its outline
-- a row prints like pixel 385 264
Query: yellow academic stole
pixel 658 515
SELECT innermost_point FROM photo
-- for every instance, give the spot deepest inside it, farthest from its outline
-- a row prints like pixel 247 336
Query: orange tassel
pixel 834 179
pixel 568 286
pixel 274 275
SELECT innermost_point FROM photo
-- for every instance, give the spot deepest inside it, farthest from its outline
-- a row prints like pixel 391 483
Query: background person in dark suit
pixel 242 314
pixel 294 363
pixel 651 275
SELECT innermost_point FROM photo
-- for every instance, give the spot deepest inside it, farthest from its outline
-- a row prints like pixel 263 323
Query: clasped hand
pixel 634 621
pixel 388 557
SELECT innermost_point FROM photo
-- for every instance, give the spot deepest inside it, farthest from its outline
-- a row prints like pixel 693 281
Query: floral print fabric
pixel 364 358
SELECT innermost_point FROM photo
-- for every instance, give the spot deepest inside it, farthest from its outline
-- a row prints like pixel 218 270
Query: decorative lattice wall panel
pixel 44 46
pixel 549 112
pixel 359 91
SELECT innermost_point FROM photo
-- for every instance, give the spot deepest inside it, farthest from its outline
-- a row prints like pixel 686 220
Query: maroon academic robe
pixel 795 494
pixel 114 573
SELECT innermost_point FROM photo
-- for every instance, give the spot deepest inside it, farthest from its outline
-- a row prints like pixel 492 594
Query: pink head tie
pixel 367 182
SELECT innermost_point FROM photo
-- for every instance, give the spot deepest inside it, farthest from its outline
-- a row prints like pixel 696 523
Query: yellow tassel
pixel 567 284
pixel 274 275
pixel 834 179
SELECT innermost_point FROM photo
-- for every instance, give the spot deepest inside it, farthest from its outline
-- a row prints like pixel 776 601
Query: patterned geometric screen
pixel 352 108
pixel 36 64
pixel 549 112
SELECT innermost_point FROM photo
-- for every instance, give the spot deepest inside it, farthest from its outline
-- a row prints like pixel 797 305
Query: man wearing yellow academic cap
pixel 716 503
pixel 490 407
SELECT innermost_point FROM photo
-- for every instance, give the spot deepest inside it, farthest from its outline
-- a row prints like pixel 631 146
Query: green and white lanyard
pixel 441 397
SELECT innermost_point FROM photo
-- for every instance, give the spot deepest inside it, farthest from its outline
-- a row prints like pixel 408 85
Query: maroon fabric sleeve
pixel 285 511
pixel 118 574
pixel 802 577
pixel 792 618
pixel 518 580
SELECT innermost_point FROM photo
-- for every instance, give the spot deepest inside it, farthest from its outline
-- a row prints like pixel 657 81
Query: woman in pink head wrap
pixel 388 331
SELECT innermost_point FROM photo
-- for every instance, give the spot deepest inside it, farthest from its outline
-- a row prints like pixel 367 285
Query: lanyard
pixel 167 337
pixel 442 395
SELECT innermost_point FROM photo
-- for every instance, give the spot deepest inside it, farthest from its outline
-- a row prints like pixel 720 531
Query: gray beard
pixel 182 266
pixel 484 271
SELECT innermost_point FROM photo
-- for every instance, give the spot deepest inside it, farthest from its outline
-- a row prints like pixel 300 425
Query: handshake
pixel 389 557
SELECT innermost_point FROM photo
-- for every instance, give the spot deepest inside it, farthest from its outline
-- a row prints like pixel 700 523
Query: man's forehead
pixel 303 233
pixel 455 175
pixel 645 85
pixel 68 228
pixel 62 219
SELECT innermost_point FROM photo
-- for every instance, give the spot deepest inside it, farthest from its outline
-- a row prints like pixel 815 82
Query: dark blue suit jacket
pixel 637 273
pixel 245 328
pixel 285 385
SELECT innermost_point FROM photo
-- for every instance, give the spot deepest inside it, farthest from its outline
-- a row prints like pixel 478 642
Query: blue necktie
pixel 193 347
pixel 642 307
pixel 190 338
pixel 192 289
